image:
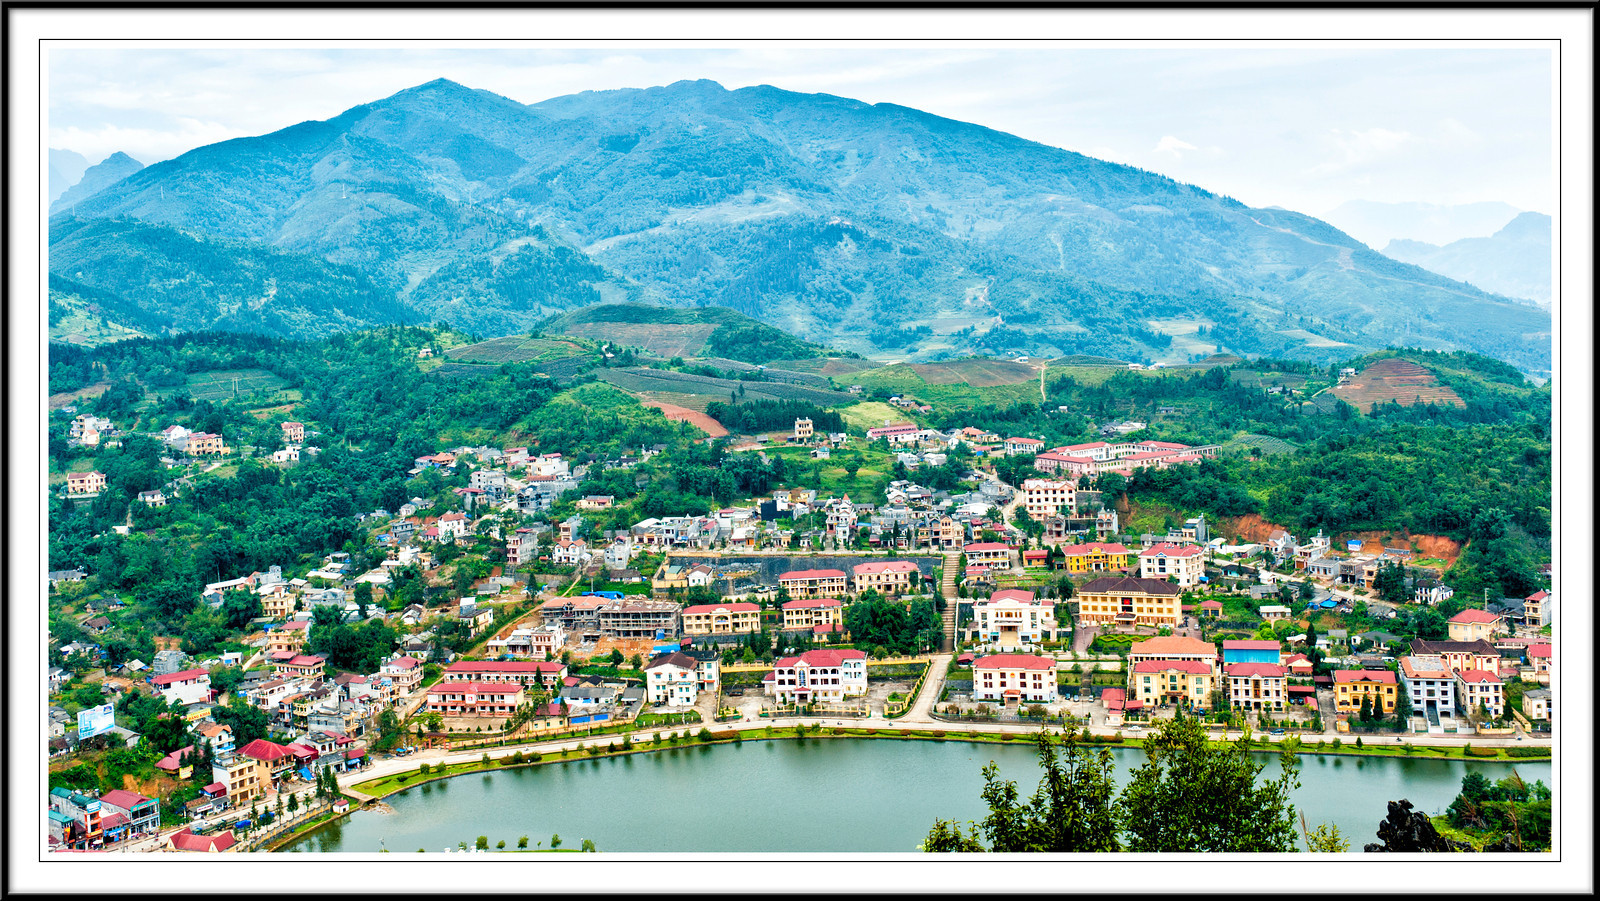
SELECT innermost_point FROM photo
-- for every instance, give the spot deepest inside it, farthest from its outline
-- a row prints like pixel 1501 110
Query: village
pixel 986 605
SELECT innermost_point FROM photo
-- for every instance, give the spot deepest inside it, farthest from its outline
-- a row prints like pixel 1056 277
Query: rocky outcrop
pixel 1408 832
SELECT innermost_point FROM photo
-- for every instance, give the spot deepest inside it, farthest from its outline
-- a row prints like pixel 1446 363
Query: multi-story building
pixel 129 813
pixel 822 675
pixel 288 638
pixel 1251 651
pixel 82 816
pixel 803 429
pixel 1174 647
pixel 809 613
pixel 1013 618
pixel 1430 685
pixel 1016 447
pixel 1477 688
pixel 888 577
pixel 190 686
pixel 1539 609
pixel 1096 557
pixel 309 666
pixel 1014 677
pixel 1256 686
pixel 506 672
pixel 294 433
pixel 203 444
pixel 1459 655
pixel 721 619
pixel 86 482
pixel 1129 601
pixel 989 554
pixel 1183 683
pixel 637 620
pixel 489 699
pixel 1184 564
pixel 1378 687
pixel 522 547
pixel 815 583
pixel 405 673
pixel 672 680
pixel 1475 625
pixel 1044 498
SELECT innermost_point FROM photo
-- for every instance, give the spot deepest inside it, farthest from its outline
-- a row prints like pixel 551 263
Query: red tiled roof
pixel 182 676
pixel 812 574
pixel 1539 595
pixel 188 841
pixel 878 567
pixel 121 797
pixel 825 628
pixel 404 663
pixel 731 608
pixel 1173 644
pixel 1172 550
pixel 476 687
pixel 1474 616
pixel 303 660
pixel 510 666
pixel 823 657
pixel 1013 661
pixel 355 753
pixel 1212 605
pixel 113 821
pixel 266 751
pixel 1477 675
pixel 216 788
pixel 1271 670
pixel 1023 441
pixel 1365 675
pixel 808 603
pixel 1159 666
pixel 1538 650
pixel 300 751
pixel 1012 594
pixel 987 546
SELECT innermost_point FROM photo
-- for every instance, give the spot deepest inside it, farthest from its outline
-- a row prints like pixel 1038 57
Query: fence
pixel 278 827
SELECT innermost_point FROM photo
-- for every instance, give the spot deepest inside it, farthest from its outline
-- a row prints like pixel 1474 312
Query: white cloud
pixel 1174 146
pixel 1354 149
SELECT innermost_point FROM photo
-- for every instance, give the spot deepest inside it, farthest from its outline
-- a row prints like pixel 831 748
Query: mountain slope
pixel 97 178
pixel 1514 261
pixel 66 168
pixel 841 221
pixel 1376 223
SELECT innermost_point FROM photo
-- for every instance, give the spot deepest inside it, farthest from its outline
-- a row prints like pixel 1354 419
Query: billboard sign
pixel 96 721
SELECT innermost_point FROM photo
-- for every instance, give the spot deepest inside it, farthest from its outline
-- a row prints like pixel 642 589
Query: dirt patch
pixel 57 401
pixel 269 412
pixel 1401 381
pixel 1251 527
pixel 1435 546
pixel 629 648
pixel 683 414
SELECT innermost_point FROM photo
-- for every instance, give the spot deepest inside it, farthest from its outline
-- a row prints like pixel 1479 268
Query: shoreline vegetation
pixel 375 790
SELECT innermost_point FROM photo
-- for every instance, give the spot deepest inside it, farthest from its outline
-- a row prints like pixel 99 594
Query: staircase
pixel 952 559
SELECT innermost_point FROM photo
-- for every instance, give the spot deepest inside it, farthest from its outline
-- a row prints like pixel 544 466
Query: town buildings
pixel 820 675
pixel 815 583
pixel 1014 678
pixel 1377 687
pixel 887 577
pixel 1184 564
pixel 721 619
pixel 1129 601
pixel 1013 618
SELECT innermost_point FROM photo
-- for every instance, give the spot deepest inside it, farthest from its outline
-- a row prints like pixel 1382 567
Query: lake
pixel 820 795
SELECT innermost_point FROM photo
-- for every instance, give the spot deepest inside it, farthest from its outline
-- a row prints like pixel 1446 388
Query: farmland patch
pixel 666 339
pixel 515 349
pixel 231 383
pixel 1401 381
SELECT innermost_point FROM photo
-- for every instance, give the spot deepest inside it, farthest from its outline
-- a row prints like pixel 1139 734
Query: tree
pixel 522 843
pixel 1192 795
pixel 1071 811
pixel 555 840
pixel 1324 839
pixel 482 843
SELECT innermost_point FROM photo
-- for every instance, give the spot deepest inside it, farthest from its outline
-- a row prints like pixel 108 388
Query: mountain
pixel 864 226
pixel 66 167
pixel 1375 223
pixel 97 178
pixel 1514 261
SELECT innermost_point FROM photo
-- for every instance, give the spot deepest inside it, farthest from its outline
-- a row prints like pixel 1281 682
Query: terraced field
pixel 977 373
pixel 515 349
pixel 667 339
pixel 1396 380
pixel 229 383
pixel 827 366
pixel 1268 444
pixel 657 382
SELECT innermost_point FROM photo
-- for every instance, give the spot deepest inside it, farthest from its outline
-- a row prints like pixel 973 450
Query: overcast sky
pixel 1307 127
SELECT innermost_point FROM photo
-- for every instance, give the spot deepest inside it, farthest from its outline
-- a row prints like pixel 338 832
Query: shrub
pixel 1527 752
pixel 703 735
pixel 501 845
pixel 517 757
pixel 423 770
pixel 1481 752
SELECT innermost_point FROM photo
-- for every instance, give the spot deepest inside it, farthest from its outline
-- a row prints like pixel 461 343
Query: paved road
pixel 920 710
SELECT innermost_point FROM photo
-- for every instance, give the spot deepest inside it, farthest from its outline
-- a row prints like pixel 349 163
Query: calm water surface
pixel 816 795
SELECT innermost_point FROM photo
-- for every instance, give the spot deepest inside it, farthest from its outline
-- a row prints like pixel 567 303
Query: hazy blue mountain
pixel 840 221
pixel 66 167
pixel 97 178
pixel 1376 223
pixel 1514 261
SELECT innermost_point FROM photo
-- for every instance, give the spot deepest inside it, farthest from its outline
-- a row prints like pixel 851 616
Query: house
pixel 477 699
pixel 1480 689
pixel 1044 498
pixel 814 583
pixel 278 760
pixel 670 680
pixel 1539 609
pixel 294 433
pixel 1536 705
pixel 808 613
pixel 721 619
pixel 474 618
pixel 96 625
pixel 1013 618
pixel 305 665
pixel 203 444
pixel 821 675
pixel 245 777
pixel 1473 625
pixel 1256 685
pixel 1459 655
pixel 988 554
pixel 897 433
pixel 1350 687
pixel 1184 683
pixel 288 638
pixel 186 839
pixel 452 525
pixel 1016 447
pixel 1184 564
pixel 404 672
pixel 1539 658
pixel 888 577
pixel 1095 557
pixel 77 820
pixel 1014 677
pixel 1174 647
pixel 188 686
pixel 1299 665
pixel 153 498
pixel 1274 612
pixel 85 483
pixel 548 674
pixel 1251 652
pixel 1129 601
pixel 570 553
pixel 139 815
pixel 1430 685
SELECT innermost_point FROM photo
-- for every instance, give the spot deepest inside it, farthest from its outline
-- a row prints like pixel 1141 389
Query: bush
pixel 423 770
pixel 703 735
pixel 1527 752
pixel 1480 752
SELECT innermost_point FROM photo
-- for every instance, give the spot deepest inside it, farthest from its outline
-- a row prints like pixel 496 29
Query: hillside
pixel 95 179
pixel 678 332
pixel 1514 261
pixel 867 227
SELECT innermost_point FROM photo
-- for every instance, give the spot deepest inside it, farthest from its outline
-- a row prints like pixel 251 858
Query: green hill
pixel 684 332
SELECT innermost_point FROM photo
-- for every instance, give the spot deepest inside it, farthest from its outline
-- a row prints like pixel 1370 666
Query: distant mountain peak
pixel 121 159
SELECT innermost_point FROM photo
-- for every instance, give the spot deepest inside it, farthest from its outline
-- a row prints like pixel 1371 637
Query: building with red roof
pixel 1014 677
pixel 142 815
pixel 477 699
pixel 1184 564
pixel 1016 447
pixel 988 555
pixel 190 686
pixel 186 839
pixel 831 674
pixel 1539 608
pixel 1351 686
pixel 887 577
pixel 1012 618
pixel 810 613
pixel 1472 625
pixel 1476 688
pixel 1127 601
pixel 1096 557
pixel 1256 686
pixel 520 672
pixel 1539 657
pixel 1183 683
pixel 815 583
pixel 1211 609
pixel 721 619
pixel 308 666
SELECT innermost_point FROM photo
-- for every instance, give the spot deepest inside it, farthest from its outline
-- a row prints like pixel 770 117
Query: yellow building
pixel 1350 686
pixel 1184 683
pixel 1129 601
pixel 813 612
pixel 721 619
pixel 1096 557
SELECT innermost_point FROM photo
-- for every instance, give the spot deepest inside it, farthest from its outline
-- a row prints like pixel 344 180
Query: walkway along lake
pixel 821 795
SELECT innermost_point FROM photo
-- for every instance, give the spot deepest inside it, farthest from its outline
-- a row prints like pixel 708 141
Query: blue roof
pixel 1330 603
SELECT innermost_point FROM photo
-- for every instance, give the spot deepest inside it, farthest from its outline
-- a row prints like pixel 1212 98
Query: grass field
pixel 1269 445
pixel 515 349
pixel 229 383
pixel 840 367
pixel 977 373
pixel 831 476
pixel 659 381
pixel 871 414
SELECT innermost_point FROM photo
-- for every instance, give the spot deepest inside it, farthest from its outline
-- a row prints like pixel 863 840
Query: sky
pixel 1306 127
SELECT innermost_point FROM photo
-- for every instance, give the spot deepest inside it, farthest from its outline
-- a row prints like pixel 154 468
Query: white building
pixel 1014 677
pixel 1184 564
pixel 190 686
pixel 823 675
pixel 1430 684
pixel 1013 618
pixel 1475 687
pixel 1044 498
